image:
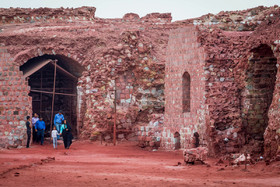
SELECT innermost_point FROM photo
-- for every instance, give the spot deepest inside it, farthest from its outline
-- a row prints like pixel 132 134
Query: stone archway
pixel 257 95
pixel 53 87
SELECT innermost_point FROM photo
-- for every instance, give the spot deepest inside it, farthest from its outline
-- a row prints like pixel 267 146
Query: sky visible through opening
pixel 180 9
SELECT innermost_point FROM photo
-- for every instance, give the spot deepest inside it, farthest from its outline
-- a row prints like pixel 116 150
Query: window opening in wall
pixel 186 86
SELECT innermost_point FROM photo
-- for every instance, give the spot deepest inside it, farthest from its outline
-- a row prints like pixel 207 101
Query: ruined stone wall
pixel 15 104
pixel 225 50
pixel 129 54
pixel 268 33
pixel 28 15
pixel 235 75
pixel 184 56
pixel 240 20
pixel 124 54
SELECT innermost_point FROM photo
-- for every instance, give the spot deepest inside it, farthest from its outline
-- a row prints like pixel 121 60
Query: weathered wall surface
pixel 184 55
pixel 268 33
pixel 15 103
pixel 28 15
pixel 129 55
pixel 224 51
pixel 129 50
pixel 236 67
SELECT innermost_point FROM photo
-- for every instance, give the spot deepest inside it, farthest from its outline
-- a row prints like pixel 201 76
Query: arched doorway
pixel 257 94
pixel 53 87
pixel 177 139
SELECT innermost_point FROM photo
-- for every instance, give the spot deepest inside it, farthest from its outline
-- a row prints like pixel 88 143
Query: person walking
pixel 35 118
pixel 40 127
pixel 66 133
pixel 58 120
pixel 28 130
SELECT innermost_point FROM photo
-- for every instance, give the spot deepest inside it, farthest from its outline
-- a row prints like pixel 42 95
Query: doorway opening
pixel 53 87
pixel 177 140
pixel 258 93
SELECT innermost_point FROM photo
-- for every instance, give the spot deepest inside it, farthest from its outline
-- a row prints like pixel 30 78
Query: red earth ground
pixel 92 164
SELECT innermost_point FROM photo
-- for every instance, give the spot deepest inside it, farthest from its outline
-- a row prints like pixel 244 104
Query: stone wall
pixel 233 80
pixel 184 55
pixel 268 33
pixel 47 15
pixel 123 54
pixel 14 104
pixel 204 75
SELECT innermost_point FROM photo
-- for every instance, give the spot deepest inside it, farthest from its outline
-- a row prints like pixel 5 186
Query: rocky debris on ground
pixel 195 154
pixel 242 159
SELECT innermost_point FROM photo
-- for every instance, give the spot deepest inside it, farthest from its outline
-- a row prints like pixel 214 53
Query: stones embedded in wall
pixel 128 68
pixel 226 67
pixel 108 50
pixel 149 135
pixel 111 48
pixel 242 20
pixel 258 92
pixel 15 103
pixel 268 33
pixel 124 88
pixel 47 15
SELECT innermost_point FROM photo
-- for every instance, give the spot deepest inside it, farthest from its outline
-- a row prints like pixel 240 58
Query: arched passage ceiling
pixel 64 64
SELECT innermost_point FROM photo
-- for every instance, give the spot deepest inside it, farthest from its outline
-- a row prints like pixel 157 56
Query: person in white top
pixel 34 120
pixel 54 137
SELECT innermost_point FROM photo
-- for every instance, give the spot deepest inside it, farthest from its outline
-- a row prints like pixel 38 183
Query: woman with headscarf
pixel 66 134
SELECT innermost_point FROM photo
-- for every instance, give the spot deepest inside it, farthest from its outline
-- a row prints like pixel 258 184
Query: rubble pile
pixel 195 154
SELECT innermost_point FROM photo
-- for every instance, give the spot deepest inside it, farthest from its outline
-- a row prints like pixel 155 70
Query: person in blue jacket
pixel 40 128
pixel 58 120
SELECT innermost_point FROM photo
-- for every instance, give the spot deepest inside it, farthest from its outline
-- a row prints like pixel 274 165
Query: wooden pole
pixel 54 78
pixel 115 113
pixel 41 95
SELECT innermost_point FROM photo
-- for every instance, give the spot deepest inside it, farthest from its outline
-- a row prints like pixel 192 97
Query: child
pixel 54 137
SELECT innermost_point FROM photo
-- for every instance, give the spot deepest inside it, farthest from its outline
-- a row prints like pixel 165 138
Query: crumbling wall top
pixel 158 17
pixel 241 20
pixel 27 15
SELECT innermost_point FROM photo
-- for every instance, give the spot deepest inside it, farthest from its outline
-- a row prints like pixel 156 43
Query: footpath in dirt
pixel 92 164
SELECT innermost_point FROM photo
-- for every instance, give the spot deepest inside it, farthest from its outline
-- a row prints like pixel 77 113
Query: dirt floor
pixel 92 164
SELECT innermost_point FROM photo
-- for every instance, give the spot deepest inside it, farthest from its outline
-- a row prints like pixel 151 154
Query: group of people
pixel 38 126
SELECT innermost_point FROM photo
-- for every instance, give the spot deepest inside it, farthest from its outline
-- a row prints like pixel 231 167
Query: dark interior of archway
pixel 258 93
pixel 43 80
